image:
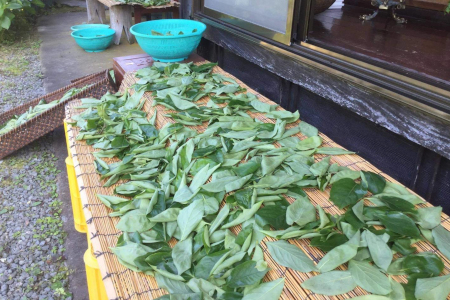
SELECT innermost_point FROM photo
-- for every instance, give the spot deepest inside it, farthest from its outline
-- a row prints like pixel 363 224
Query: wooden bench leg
pixel 95 11
pixel 120 16
pixel 101 9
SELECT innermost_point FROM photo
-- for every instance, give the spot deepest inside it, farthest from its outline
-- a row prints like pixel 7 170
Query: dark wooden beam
pixel 406 121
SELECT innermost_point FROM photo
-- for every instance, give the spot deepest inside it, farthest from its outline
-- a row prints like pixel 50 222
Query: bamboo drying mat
pixel 122 283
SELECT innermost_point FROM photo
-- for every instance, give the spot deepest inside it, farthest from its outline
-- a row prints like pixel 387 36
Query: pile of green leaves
pixel 7 8
pixel 176 179
pixel 36 110
pixel 146 3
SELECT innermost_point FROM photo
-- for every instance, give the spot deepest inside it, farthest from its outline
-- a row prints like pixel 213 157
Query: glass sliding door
pixel 268 18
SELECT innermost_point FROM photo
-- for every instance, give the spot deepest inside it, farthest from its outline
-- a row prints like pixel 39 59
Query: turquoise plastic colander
pixel 94 39
pixel 169 48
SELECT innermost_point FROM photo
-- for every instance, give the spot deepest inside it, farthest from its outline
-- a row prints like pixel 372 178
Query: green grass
pixel 14 67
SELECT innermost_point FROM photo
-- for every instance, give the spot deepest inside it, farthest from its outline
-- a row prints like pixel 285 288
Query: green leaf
pixel 181 103
pixel 376 182
pixel 369 278
pixel 231 296
pixel 237 184
pixel 245 274
pixel 202 152
pixel 400 223
pixel 182 255
pixel 307 129
pixel 189 218
pixel 206 264
pixel 13 5
pixel 396 267
pixel 218 185
pixel 403 246
pixel 345 192
pixel 228 262
pixel 301 211
pixel 190 296
pixel 244 198
pixel 323 217
pixel 167 215
pixel 270 163
pixel 284 115
pixel 345 174
pixel 110 201
pixel 129 252
pixel 429 217
pixel 273 215
pixel 358 210
pixel 244 216
pixel 442 240
pixel 326 244
pixel 119 142
pixel 172 286
pixel 135 220
pixel 320 168
pixel 339 255
pixel 398 204
pixel 423 263
pixel 247 168
pixel 379 250
pixel 38 3
pixel 331 283
pixel 201 177
pixel 310 143
pixel 221 216
pixel 262 107
pixel 398 292
pixel 436 288
pixel 268 291
pixel 290 256
pixel 149 131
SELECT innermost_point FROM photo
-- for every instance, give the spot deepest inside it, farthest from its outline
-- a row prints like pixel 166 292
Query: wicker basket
pixel 53 118
pixel 88 76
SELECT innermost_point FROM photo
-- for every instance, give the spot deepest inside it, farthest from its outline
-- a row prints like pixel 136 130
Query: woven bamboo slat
pixel 125 284
pixel 51 119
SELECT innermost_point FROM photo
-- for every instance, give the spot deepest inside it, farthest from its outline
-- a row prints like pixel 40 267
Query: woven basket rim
pixel 89 76
pixel 103 81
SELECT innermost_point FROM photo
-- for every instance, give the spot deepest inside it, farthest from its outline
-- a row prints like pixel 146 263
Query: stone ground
pixel 41 254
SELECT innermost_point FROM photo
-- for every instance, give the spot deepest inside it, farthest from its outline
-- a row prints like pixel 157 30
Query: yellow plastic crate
pixel 78 215
pixel 95 284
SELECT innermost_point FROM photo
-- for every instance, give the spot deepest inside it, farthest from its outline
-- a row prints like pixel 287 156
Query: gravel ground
pixel 32 261
pixel 20 73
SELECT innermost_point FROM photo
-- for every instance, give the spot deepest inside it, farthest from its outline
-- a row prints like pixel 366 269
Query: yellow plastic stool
pixel 96 287
pixel 67 139
pixel 78 215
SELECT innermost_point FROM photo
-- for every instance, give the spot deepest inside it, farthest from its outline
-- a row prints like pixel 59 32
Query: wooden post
pixel 138 10
pixel 175 12
pixel 120 16
pixel 95 12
